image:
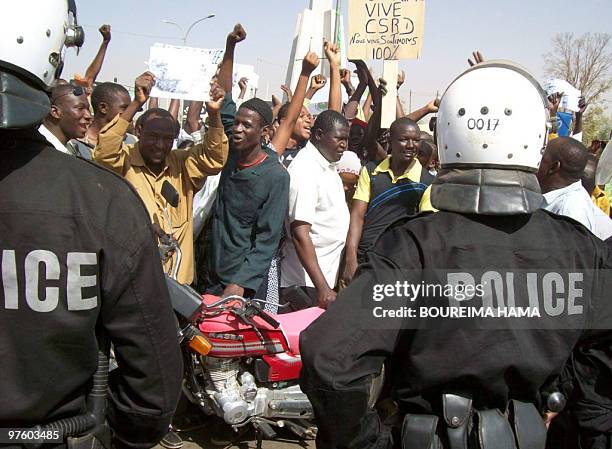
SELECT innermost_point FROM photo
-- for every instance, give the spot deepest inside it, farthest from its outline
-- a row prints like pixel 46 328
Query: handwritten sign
pixel 183 72
pixel 386 29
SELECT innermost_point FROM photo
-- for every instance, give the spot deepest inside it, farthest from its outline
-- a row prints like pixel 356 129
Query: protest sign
pixel 570 97
pixel 248 72
pixel 183 72
pixel 389 101
pixel 386 29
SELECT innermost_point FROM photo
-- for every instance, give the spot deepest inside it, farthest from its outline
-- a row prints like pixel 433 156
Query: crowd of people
pixel 278 204
pixel 294 235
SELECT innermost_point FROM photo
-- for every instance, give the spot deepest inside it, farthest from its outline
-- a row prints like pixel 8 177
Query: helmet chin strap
pixel 21 105
pixel 486 191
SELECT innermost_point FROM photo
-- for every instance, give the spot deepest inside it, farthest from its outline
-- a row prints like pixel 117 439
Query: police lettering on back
pixel 41 279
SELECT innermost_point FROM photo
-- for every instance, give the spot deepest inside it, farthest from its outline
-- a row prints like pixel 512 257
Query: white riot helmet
pixel 495 114
pixel 34 35
pixel 492 129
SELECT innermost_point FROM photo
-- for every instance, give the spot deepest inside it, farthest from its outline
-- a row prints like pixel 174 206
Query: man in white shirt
pixel 559 175
pixel 318 217
pixel 68 119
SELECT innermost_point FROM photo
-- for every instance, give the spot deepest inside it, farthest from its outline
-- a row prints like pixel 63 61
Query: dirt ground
pixel 201 438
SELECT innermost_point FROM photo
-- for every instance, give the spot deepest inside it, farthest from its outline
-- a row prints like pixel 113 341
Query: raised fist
pixel 317 82
pixel 401 77
pixel 332 52
pixel 310 63
pixel 105 31
pixel 142 87
pixel 216 98
pixel 287 91
pixel 237 35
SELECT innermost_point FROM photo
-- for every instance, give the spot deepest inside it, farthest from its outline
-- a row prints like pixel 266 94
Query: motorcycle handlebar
pixel 258 310
pixel 267 318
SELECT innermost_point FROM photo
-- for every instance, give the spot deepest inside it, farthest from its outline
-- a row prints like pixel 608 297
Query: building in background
pixel 321 22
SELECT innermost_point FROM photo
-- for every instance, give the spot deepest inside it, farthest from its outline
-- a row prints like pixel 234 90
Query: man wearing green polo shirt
pixel 396 187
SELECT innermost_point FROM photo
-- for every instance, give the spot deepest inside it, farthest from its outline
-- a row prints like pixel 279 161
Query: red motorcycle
pixel 243 364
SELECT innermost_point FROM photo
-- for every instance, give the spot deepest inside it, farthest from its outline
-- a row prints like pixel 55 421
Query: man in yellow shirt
pixel 151 161
pixel 598 195
pixel 396 187
pixel 601 200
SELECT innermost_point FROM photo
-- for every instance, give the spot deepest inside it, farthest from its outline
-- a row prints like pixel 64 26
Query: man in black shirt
pixel 79 262
pixel 459 362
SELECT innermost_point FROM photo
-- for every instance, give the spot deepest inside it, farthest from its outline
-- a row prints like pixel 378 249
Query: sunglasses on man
pixel 77 91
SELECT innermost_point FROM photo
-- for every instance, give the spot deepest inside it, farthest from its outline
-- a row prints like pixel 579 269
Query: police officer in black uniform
pixel 79 263
pixel 470 380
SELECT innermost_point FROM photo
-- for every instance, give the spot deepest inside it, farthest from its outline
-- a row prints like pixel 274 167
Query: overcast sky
pixel 520 30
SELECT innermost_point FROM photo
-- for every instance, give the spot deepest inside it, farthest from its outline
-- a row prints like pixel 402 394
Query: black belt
pixel 463 427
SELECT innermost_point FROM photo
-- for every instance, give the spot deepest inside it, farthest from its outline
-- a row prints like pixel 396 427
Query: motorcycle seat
pixel 295 322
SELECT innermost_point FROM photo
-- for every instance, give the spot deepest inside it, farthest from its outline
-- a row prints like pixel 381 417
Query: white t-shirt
pixel 59 146
pixel 316 196
pixel 574 201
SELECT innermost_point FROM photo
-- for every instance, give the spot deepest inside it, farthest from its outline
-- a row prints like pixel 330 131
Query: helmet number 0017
pixel 480 124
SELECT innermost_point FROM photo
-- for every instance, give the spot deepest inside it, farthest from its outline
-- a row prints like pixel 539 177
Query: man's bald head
pixel 563 163
pixel 572 154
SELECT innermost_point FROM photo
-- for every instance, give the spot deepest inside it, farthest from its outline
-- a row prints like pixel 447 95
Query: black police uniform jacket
pixel 78 259
pixel 347 345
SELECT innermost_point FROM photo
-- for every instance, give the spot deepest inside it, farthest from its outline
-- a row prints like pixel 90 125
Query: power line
pixel 113 31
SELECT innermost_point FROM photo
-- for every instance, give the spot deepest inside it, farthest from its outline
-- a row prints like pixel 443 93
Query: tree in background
pixel 597 125
pixel 586 63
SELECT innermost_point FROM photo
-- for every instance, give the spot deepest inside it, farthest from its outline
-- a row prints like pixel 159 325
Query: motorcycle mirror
pixel 170 194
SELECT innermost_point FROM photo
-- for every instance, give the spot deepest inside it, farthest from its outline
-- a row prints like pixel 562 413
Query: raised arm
pixel 226 71
pixel 153 103
pixel 352 107
pixel 96 65
pixel 283 133
pixel 317 83
pixel 109 150
pixel 242 84
pixel 582 105
pixel 173 108
pixel 287 90
pixel 367 106
pixel 209 156
pixel 332 52
pixel 429 108
pixel 345 79
pixel 192 123
pixel 399 110
pixel 276 105
pixel 372 146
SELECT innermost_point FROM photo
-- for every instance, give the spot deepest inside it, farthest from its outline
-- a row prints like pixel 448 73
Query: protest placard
pixel 571 95
pixel 385 29
pixel 248 72
pixel 183 72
